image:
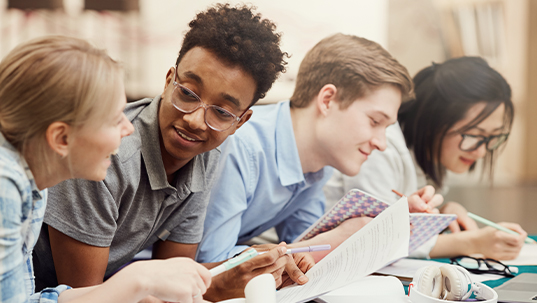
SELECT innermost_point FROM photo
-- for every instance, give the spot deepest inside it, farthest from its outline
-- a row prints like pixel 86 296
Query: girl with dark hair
pixel 462 113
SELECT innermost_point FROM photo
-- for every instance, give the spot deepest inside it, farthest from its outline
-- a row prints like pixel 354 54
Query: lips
pixel 187 136
pixel 467 161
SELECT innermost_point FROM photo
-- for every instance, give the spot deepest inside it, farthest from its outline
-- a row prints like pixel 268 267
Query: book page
pixel 384 239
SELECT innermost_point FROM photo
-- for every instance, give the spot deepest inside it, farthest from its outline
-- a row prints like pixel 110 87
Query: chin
pixel 350 170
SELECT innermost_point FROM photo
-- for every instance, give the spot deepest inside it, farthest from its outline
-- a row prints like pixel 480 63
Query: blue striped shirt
pixel 22 207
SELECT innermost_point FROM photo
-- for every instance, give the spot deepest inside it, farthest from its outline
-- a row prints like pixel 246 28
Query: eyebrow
pixel 198 79
pixel 484 131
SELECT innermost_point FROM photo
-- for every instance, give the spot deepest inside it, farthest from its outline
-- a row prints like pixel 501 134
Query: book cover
pixel 357 203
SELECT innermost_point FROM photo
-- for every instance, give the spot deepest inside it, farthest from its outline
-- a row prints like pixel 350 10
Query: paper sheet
pixel 384 239
pixel 369 289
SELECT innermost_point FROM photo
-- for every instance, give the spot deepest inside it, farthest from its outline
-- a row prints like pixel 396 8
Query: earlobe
pixel 57 138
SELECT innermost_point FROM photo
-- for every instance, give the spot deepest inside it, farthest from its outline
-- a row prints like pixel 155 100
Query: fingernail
pixel 282 249
pixel 303 279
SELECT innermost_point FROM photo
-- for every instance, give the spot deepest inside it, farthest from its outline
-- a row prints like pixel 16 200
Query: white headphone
pixel 448 282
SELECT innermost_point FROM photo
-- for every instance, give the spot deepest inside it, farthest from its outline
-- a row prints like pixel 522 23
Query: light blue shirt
pixel 260 185
pixel 22 207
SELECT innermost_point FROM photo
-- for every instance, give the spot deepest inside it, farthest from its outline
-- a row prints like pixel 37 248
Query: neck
pixel 46 176
pixel 304 129
pixel 171 165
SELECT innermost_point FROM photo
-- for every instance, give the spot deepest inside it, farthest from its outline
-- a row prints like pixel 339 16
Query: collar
pixel 146 136
pixel 289 164
pixel 17 156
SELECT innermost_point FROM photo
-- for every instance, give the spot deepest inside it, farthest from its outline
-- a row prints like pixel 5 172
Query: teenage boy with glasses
pixel 348 91
pixel 157 188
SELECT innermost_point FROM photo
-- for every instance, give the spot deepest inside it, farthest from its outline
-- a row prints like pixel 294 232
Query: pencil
pixel 497 226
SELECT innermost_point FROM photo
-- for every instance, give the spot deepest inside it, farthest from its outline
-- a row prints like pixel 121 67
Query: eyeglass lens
pixel 470 143
pixel 187 101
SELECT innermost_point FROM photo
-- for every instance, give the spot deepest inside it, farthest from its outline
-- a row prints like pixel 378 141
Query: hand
pixel 424 200
pixel 299 264
pixel 296 266
pixel 463 220
pixel 174 280
pixel 497 244
pixel 231 284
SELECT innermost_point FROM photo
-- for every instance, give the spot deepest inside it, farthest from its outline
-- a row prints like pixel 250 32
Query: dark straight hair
pixel 443 95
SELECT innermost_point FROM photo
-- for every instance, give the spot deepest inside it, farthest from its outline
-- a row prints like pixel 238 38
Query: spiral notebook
pixel 357 203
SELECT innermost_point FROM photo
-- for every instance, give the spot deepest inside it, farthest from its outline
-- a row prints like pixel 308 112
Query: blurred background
pixel 146 36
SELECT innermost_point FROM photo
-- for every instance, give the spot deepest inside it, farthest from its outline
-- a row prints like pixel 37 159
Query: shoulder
pixel 133 109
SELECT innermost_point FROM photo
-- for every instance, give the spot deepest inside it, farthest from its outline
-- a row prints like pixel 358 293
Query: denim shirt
pixel 22 207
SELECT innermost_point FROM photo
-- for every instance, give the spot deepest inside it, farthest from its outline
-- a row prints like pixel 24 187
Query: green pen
pixel 233 262
pixel 497 226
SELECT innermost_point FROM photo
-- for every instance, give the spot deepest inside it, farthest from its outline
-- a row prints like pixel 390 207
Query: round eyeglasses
pixel 471 143
pixel 216 117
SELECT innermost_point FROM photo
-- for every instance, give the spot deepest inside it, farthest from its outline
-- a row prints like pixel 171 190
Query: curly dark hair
pixel 241 38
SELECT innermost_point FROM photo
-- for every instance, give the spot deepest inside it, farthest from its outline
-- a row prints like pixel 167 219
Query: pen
pixel 429 210
pixel 305 249
pixel 497 226
pixel 233 262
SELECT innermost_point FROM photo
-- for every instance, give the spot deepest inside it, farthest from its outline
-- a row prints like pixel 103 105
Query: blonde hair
pixel 54 78
pixel 355 65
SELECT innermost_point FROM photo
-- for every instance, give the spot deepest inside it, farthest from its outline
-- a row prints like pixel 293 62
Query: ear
pixel 57 137
pixel 169 78
pixel 245 118
pixel 326 98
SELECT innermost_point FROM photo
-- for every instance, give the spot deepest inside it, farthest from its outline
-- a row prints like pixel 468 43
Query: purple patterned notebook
pixel 357 203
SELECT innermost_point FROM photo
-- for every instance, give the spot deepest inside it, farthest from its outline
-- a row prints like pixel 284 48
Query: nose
pixel 379 140
pixel 480 152
pixel 196 119
pixel 127 128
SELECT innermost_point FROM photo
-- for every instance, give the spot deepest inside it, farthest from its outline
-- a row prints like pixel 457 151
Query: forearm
pixel 122 287
pixel 452 245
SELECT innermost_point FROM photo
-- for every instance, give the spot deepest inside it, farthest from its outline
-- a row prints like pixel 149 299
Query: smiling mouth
pixel 182 135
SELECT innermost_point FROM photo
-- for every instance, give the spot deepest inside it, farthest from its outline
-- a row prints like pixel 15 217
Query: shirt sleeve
pixel 227 203
pixel 69 204
pixel 48 295
pixel 12 275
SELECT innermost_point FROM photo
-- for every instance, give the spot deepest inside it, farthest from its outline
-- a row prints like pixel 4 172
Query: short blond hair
pixel 355 65
pixel 54 78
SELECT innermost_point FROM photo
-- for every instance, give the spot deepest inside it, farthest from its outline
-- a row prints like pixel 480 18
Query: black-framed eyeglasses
pixel 482 266
pixel 473 142
pixel 216 117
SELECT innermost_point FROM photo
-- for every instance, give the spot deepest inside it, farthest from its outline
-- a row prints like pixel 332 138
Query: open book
pixel 357 203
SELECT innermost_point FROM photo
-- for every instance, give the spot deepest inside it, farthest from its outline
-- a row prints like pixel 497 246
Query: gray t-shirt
pixel 135 205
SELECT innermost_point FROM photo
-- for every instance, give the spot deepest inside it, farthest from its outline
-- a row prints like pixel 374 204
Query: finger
pixel 467 223
pixel 266 259
pixel 515 227
pixel 427 193
pixel 508 239
pixel 294 272
pixel 416 204
pixel 205 276
pixel 435 201
pixel 454 227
